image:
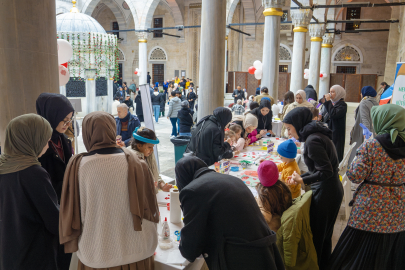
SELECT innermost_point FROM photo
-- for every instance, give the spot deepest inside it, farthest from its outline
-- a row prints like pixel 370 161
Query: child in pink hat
pixel 274 197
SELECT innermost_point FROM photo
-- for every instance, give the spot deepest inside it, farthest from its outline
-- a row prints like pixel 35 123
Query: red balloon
pixel 64 64
pixel 252 70
pixel 321 75
pixel 136 72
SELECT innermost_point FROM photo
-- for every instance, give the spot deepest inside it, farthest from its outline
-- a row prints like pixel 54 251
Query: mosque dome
pixel 78 22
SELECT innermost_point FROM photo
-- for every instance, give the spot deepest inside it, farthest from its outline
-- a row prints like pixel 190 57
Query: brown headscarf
pixel 26 136
pixel 99 131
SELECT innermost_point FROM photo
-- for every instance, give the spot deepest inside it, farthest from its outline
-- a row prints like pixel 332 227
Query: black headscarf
pixel 265 103
pixel 223 115
pixel 54 108
pixel 186 169
pixel 299 118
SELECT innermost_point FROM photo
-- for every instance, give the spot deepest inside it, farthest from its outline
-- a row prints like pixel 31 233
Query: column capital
pixel 267 4
pixel 142 37
pixel 301 18
pixel 327 40
pixel 316 31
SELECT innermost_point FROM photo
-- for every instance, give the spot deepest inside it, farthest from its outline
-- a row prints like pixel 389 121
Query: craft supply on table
pixel 234 169
pixel 168 206
pixel 165 242
pixel 177 234
pixel 175 210
pixel 217 166
pixel 270 147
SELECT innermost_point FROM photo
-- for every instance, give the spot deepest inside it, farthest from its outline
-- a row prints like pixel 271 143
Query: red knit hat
pixel 268 173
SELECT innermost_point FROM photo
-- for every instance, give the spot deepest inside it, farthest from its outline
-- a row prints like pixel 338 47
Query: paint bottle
pixel 165 230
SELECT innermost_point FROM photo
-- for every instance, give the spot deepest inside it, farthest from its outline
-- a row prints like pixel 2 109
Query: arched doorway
pixel 158 58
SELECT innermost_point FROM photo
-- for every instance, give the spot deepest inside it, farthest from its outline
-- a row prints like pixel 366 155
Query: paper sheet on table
pixel 161 197
pixel 174 257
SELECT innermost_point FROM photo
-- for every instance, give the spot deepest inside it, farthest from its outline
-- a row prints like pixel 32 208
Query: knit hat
pixel 185 104
pixel 287 149
pixel 268 173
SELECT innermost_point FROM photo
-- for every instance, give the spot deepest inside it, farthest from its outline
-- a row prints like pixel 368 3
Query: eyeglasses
pixel 65 123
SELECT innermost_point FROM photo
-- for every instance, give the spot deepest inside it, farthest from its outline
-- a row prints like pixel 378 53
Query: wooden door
pixel 158 73
pixel 353 87
pixel 283 84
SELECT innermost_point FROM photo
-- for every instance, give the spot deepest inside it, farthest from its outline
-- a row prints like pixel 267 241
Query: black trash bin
pixel 180 145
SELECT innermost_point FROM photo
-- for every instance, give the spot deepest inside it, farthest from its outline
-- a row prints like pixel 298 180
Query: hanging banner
pixel 398 94
pixel 148 114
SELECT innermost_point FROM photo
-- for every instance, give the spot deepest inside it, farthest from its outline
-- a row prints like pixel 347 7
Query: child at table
pixel 240 142
pixel 288 151
pixel 274 197
pixel 142 144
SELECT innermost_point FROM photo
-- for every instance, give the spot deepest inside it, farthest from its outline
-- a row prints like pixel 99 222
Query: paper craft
pixel 251 173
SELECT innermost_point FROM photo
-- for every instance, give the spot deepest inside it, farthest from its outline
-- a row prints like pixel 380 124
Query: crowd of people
pixel 102 204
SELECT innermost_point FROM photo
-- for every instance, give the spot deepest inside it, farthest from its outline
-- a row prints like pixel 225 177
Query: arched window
pixel 158 54
pixel 284 54
pixel 121 56
pixel 347 53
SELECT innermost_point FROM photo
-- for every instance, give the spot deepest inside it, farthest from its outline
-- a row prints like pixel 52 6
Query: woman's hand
pixel 294 179
pixel 258 136
pixel 327 97
pixel 165 187
pixel 236 153
pixel 229 141
pixel 263 132
pixel 298 144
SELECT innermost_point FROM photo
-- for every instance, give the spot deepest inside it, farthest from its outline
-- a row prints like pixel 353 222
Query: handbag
pixel 189 153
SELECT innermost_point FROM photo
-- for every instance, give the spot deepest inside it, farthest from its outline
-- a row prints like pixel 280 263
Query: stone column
pixel 28 57
pixel 271 44
pixel 143 57
pixel 316 32
pixel 212 52
pixel 301 19
pixel 91 90
pixel 110 90
pixel 326 54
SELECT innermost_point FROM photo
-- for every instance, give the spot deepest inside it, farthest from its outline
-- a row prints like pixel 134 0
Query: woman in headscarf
pixel 108 210
pixel 288 99
pixel 248 122
pixel 29 209
pixel 363 116
pixel 139 108
pixel 375 234
pixel 322 162
pixel 264 116
pixel 230 232
pixel 58 110
pixel 300 101
pixel 336 110
pixel 207 139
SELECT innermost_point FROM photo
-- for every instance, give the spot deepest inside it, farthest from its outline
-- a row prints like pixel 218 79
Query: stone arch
pixel 89 6
pixel 146 9
pixel 176 12
pixel 347 53
pixel 157 54
pixel 231 10
pixel 249 14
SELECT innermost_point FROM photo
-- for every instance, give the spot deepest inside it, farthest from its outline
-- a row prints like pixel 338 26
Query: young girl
pixel 239 141
pixel 274 197
pixel 229 134
pixel 142 143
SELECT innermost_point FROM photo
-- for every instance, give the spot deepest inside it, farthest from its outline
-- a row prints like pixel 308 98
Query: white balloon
pixel 258 74
pixel 64 75
pixel 257 64
pixel 65 51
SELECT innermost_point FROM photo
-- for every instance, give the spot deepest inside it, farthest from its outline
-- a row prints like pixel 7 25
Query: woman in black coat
pixel 222 221
pixel 264 116
pixel 139 109
pixel 207 140
pixel 29 210
pixel 162 102
pixel 336 110
pixel 185 116
pixel 321 159
pixel 58 110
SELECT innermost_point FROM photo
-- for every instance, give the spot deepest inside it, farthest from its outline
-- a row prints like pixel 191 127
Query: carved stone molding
pixel 142 35
pixel 301 17
pixel 316 30
pixel 328 38
pixel 347 53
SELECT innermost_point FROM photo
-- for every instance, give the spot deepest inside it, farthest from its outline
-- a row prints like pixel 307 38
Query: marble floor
pixel 166 157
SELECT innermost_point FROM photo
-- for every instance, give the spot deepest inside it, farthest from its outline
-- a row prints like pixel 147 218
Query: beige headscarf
pixel 340 92
pixel 248 120
pixel 26 136
pixel 99 131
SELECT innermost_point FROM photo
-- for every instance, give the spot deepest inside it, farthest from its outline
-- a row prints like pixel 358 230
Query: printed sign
pixel 398 95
